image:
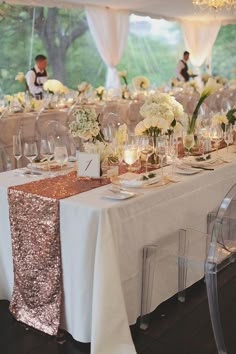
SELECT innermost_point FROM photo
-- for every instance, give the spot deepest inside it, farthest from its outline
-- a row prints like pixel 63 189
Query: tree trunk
pixel 57 60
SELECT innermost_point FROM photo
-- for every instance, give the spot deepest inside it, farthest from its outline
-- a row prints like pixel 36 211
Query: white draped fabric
pixel 110 30
pixel 199 39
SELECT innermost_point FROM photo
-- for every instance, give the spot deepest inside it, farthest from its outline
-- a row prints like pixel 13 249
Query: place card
pixel 88 165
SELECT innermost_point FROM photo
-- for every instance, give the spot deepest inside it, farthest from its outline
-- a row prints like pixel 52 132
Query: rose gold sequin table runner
pixel 35 232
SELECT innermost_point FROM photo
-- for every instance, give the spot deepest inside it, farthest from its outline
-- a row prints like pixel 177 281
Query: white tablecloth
pixel 102 242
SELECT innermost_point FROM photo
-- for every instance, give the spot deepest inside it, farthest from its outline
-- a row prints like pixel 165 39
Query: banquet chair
pixel 60 134
pixel 5 161
pixel 195 254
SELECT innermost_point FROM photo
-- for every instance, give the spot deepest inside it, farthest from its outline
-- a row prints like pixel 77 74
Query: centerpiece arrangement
pixel 162 113
pixel 210 88
pixel 87 127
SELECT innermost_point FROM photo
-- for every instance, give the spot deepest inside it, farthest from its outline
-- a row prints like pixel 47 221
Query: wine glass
pixel 17 148
pixel 30 152
pixel 47 148
pixel 161 152
pixel 146 148
pixel 188 142
pixel 61 155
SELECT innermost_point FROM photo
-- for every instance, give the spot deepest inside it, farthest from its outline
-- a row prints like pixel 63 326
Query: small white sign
pixel 88 165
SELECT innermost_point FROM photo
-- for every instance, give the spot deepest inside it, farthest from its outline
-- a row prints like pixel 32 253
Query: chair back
pixel 5 161
pixel 61 136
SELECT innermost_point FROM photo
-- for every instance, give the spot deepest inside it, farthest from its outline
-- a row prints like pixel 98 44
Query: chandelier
pixel 215 4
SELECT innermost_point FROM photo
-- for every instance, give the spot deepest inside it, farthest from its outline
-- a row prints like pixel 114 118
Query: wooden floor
pixel 175 328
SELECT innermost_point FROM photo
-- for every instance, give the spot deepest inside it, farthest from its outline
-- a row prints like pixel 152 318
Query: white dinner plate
pixel 43 166
pixel 188 171
pixel 118 195
pixel 134 180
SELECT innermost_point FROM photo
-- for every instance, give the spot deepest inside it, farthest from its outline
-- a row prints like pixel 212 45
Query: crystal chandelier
pixel 215 4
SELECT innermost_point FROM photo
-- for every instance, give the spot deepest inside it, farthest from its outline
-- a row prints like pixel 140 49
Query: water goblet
pixel 131 155
pixel 61 155
pixel 188 141
pixel 30 152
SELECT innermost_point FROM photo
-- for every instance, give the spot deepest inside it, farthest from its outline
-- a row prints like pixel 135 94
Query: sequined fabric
pixel 35 231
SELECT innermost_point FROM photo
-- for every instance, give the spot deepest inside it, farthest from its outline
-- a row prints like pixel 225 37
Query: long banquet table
pixel 102 242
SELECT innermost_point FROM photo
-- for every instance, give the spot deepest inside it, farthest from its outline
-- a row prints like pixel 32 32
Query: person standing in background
pixel 182 68
pixel 37 76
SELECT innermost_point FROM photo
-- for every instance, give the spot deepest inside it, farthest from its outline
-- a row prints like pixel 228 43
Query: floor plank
pixel 174 328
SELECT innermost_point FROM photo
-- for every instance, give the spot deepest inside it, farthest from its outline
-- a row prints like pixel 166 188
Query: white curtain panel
pixel 199 39
pixel 110 30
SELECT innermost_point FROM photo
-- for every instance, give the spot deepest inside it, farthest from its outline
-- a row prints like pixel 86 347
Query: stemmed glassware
pixel 61 155
pixel 47 148
pixel 30 152
pixel 188 141
pixel 131 155
pixel 161 152
pixel 146 148
pixel 228 136
pixel 173 152
pixel 17 148
pixel 216 135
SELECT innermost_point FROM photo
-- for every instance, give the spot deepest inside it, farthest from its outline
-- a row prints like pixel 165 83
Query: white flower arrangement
pixel 83 87
pixel 152 126
pixel 205 77
pixel 210 88
pixel 164 106
pixel 193 84
pixel 86 125
pixel 55 86
pixel 140 82
pixel 99 147
pixel 100 92
pixel 219 119
pixel 221 80
pixel 123 75
pixel 20 76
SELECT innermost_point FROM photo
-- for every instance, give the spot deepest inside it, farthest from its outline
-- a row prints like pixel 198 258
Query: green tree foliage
pixel 63 35
pixel 224 52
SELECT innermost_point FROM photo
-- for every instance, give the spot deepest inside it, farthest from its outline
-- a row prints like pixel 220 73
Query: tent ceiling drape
pixel 168 9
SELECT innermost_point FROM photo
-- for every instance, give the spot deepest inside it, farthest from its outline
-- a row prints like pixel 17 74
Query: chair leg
pixel 182 265
pixel 212 294
pixel 149 260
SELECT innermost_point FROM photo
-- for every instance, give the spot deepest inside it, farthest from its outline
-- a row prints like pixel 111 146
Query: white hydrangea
pixel 99 147
pixel 85 125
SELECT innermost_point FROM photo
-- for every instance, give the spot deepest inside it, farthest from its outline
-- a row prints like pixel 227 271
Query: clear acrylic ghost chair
pixel 61 136
pixel 221 252
pixel 190 254
pixel 5 161
pixel 177 259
